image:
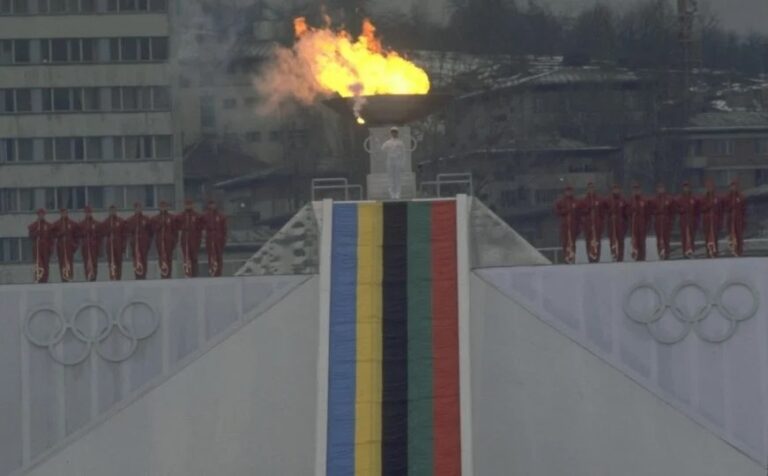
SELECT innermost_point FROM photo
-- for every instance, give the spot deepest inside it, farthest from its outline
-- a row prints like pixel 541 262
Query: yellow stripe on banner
pixel 368 389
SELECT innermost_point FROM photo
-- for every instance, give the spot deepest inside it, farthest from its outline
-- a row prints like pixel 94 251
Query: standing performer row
pixel 137 232
pixel 592 214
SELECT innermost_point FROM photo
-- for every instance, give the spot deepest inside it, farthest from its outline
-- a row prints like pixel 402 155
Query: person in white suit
pixel 394 151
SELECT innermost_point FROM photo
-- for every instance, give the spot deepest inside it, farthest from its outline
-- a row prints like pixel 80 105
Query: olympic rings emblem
pixel 93 336
pixel 691 321
pixel 370 143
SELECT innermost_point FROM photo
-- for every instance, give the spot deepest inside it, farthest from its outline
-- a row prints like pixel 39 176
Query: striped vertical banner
pixel 393 362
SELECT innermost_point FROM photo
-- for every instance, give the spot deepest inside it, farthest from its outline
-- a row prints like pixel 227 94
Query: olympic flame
pixel 360 67
pixel 324 61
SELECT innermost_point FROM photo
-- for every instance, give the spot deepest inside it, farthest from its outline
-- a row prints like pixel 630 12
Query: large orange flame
pixel 354 68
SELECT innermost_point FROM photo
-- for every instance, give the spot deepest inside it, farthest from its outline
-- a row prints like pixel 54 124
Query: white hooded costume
pixel 394 151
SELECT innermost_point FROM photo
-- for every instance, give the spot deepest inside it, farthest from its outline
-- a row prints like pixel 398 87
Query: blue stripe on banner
pixel 340 459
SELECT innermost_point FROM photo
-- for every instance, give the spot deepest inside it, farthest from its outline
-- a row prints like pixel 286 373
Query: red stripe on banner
pixel 445 341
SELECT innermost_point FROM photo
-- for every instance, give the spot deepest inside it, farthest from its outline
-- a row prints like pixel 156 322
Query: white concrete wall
pixel 544 405
pixel 245 408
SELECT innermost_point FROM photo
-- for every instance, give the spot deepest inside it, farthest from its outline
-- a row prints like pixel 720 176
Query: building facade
pixel 86 113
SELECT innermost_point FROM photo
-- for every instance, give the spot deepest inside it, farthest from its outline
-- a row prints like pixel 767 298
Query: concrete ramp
pixel 573 383
pixel 74 358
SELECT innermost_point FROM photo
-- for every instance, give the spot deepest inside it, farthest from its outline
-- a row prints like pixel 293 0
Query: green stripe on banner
pixel 420 396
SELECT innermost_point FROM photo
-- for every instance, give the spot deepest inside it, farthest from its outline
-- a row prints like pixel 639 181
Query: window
pixel 159 48
pixel 23 100
pixel 129 49
pixel 546 196
pixel 21 51
pixel 724 147
pixel 13 7
pixel 94 149
pixel 8 200
pixel 25 150
pixel 114 196
pixel 63 149
pixel 761 146
pixel 91 99
pixel 761 177
pixel 72 198
pixel 62 99
pixel 7 150
pixel 166 193
pixel 15 100
pixel 230 103
pixel 10 250
pixel 158 5
pixel 163 147
pixel 27 200
pixel 132 148
pixel 144 194
pixel 253 136
pixel 6 51
pixel 162 98
pixel 96 198
pixel 90 47
pixel 207 112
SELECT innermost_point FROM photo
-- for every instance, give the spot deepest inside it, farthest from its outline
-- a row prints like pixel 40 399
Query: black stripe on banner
pixel 394 407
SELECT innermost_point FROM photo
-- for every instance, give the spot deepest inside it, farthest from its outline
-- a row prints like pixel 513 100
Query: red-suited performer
pixel 639 219
pixel 711 218
pixel 736 209
pixel 139 232
pixel 616 212
pixel 591 208
pixel 90 244
pixel 113 231
pixel 664 209
pixel 190 228
pixel 66 232
pixel 567 209
pixel 215 226
pixel 688 208
pixel 41 235
pixel 165 232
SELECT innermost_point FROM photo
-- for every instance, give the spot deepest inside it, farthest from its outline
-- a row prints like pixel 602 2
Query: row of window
pixel 27 200
pixel 124 98
pixel 725 147
pixel 31 7
pixel 83 50
pixel 67 149
pixel 298 137
pixel 231 103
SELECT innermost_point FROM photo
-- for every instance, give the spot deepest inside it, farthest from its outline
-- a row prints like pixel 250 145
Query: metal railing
pixel 751 248
pixel 335 184
pixel 449 179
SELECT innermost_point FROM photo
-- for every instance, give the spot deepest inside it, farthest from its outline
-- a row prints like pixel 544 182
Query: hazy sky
pixel 739 15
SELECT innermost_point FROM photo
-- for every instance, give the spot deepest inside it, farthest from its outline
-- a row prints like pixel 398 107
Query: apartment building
pixel 86 113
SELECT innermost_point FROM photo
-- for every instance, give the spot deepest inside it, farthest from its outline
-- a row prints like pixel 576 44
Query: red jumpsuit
pixel 66 232
pixel 639 219
pixel 90 240
pixel 113 230
pixel 165 232
pixel 41 234
pixel 712 221
pixel 664 209
pixel 139 233
pixel 188 223
pixel 567 209
pixel 591 208
pixel 688 209
pixel 736 207
pixel 616 210
pixel 215 226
